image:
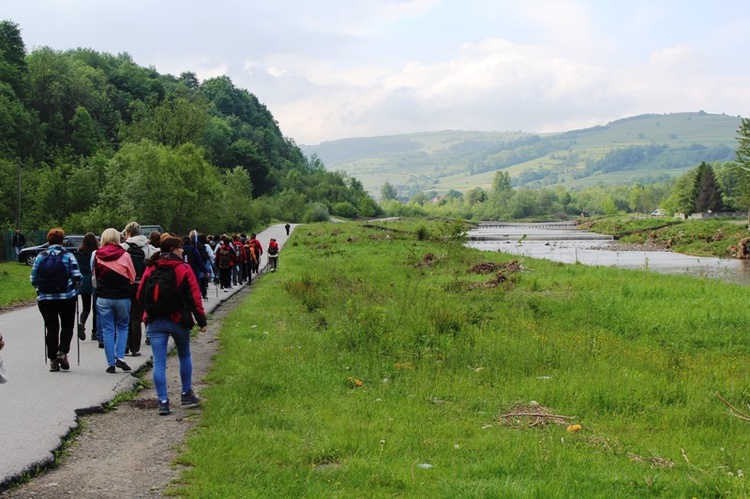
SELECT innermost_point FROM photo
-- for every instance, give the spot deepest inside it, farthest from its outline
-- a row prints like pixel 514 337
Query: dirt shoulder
pixel 129 451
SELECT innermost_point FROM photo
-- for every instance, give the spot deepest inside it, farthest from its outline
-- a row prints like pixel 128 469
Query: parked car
pixel 28 255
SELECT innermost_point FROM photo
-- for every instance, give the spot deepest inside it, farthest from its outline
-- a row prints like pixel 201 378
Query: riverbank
pixel 717 238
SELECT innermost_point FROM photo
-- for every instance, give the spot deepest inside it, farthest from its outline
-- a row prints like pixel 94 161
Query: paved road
pixel 39 408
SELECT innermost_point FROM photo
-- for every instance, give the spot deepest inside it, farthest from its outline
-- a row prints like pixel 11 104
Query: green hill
pixel 646 148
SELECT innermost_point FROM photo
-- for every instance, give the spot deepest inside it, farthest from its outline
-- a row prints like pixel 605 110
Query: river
pixel 563 242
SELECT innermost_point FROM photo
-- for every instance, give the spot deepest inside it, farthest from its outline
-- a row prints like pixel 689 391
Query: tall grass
pixel 373 364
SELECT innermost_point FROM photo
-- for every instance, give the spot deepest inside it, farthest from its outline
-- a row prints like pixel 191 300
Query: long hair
pixel 89 243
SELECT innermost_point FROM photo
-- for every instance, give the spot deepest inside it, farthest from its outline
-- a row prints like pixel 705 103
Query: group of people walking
pixel 125 284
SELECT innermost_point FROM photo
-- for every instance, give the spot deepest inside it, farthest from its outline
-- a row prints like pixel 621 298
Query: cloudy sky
pixel 331 69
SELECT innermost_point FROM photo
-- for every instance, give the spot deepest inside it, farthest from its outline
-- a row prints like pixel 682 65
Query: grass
pixel 373 364
pixel 16 286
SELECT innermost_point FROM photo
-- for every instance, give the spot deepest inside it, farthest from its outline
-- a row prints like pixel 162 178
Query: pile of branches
pixel 532 415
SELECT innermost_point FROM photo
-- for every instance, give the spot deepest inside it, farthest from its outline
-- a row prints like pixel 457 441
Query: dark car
pixel 28 255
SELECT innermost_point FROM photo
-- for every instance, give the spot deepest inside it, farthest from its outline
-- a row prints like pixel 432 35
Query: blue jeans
pixel 114 317
pixel 158 332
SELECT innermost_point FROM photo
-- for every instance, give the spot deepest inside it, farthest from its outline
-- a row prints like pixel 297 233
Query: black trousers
pixel 59 319
pixel 135 327
pixel 225 276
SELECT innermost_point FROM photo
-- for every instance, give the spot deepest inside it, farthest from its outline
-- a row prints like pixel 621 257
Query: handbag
pixel 3 372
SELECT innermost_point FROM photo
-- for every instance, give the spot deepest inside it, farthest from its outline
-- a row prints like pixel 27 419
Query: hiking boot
pixel 189 398
pixel 122 365
pixel 81 332
pixel 164 408
pixel 54 366
pixel 62 360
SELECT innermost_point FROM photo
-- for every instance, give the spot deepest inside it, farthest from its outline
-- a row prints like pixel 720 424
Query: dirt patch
pixel 129 451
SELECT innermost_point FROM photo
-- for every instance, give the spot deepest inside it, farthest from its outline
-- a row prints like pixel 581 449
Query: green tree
pixel 501 181
pixel 12 59
pixel 388 192
pixel 706 190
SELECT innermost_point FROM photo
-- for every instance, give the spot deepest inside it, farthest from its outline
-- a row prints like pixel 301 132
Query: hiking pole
pixel 78 336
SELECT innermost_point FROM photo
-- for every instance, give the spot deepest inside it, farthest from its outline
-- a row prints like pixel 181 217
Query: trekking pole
pixel 45 344
pixel 78 336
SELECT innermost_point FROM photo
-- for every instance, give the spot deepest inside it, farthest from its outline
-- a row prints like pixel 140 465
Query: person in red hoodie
pixel 273 255
pixel 175 320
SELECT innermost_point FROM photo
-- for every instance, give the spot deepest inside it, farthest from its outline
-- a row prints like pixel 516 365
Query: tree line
pixel 90 140
pixel 709 187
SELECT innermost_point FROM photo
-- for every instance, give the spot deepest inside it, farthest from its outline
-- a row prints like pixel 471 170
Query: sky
pixel 333 69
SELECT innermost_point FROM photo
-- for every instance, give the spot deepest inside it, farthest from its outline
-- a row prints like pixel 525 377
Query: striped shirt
pixel 74 274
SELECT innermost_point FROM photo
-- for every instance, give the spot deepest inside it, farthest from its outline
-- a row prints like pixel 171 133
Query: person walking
pixel 170 314
pixel 287 227
pixel 19 241
pixel 258 252
pixel 138 247
pixel 273 254
pixel 225 262
pixel 115 274
pixel 56 277
pixel 86 290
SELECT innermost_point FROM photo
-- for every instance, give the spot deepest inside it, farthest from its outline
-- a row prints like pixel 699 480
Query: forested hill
pixel 96 140
pixel 647 148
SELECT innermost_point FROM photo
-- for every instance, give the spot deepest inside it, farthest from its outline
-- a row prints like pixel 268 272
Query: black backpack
pixel 159 295
pixel 52 273
pixel 139 260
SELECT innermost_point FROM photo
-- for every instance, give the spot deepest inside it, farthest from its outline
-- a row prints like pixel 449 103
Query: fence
pixel 33 238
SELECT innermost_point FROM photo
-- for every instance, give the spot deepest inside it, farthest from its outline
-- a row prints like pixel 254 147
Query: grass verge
pixel 16 286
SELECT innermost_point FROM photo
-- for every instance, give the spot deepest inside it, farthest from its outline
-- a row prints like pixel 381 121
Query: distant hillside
pixel 646 148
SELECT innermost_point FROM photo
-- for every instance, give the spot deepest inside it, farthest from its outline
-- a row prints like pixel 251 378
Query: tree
pixel 706 189
pixel 12 58
pixel 388 192
pixel 743 156
pixel 501 182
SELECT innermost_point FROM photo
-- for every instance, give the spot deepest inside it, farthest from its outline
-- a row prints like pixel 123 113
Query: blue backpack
pixel 52 273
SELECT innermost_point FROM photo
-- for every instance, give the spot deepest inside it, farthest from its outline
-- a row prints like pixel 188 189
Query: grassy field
pixel 16 287
pixel 377 363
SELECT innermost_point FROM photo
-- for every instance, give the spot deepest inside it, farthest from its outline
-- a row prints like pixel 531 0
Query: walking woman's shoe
pixel 54 366
pixel 62 360
pixel 81 332
pixel 122 365
pixel 164 408
pixel 111 369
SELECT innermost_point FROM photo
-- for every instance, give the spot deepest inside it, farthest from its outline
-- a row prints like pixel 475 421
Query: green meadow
pixel 16 287
pixel 389 360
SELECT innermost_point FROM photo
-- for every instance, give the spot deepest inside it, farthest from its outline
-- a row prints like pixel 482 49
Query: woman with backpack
pixel 273 254
pixel 56 277
pixel 115 275
pixel 171 298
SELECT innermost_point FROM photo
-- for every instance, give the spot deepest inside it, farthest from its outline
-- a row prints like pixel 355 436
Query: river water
pixel 563 242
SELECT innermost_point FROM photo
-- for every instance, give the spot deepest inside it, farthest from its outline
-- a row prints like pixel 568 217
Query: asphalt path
pixel 38 408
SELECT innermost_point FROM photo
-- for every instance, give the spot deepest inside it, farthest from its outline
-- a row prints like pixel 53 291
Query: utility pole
pixel 18 212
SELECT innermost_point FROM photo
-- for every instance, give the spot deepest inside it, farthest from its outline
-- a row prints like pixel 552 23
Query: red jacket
pixel 230 248
pixel 239 251
pixel 187 288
